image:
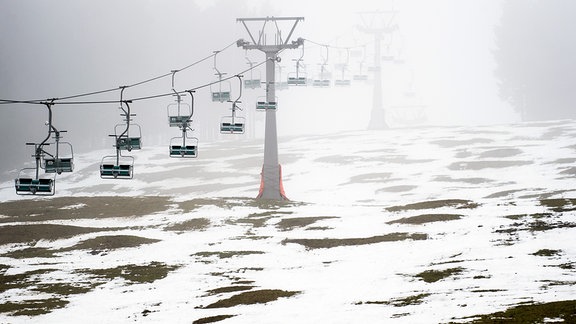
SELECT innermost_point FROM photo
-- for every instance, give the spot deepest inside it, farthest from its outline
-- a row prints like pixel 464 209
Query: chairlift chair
pixel 255 81
pixel 232 125
pixel 221 92
pixel 297 79
pixel 132 140
pixel 117 167
pixel 58 162
pixel 183 147
pixel 221 89
pixel 178 114
pixel 33 185
pixel 262 104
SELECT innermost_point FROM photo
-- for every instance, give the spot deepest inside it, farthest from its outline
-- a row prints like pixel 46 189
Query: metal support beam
pixel 375 23
pixel 271 178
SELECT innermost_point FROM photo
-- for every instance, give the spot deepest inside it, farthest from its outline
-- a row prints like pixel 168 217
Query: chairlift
pixel 184 146
pixel 298 78
pixel 280 85
pixel 117 167
pixel 323 80
pixel 62 158
pixel 344 80
pixel 234 124
pixel 130 140
pixel 220 89
pixel 361 76
pixel 262 104
pixel 59 162
pixel 29 181
pixel 255 81
pixel 129 135
pixel 179 112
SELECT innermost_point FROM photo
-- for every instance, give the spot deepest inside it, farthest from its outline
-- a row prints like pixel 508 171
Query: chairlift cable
pixel 8 101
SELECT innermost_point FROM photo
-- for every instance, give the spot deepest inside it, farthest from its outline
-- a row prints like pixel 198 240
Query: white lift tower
pixel 271 182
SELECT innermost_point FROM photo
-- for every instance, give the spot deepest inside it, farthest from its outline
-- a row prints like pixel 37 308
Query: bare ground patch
pixel 36 232
pixel 63 208
pixel 196 224
pixel 132 273
pixel 426 218
pixel 433 204
pixel 331 242
pixel 288 224
pixel 252 297
pixel 559 311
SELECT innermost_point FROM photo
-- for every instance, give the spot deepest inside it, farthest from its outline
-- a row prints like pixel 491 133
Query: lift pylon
pixel 271 178
pixel 378 24
pixel 29 181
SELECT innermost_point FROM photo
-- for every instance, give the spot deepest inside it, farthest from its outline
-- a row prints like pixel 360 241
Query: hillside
pixel 427 225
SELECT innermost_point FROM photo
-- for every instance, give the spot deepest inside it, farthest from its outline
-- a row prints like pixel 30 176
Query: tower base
pixel 271 193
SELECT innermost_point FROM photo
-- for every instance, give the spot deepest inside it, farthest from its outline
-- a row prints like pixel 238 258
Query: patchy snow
pixel 347 182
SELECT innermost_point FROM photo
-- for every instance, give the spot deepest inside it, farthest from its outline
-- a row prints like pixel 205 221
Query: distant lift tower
pixel 271 181
pixel 378 23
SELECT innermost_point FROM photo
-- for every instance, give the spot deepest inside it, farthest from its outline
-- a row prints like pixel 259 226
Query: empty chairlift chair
pixel 184 147
pixel 117 167
pixel 62 160
pixel 232 125
pixel 262 104
pixel 130 140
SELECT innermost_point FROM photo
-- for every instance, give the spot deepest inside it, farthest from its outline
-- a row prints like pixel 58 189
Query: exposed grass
pixel 111 242
pixel 288 224
pixel 559 205
pixel 33 307
pixel 535 216
pixel 36 232
pixel 331 243
pixel 196 224
pixel 64 208
pixel 228 289
pixel 96 245
pixel 426 218
pixel 226 254
pixel 533 313
pixel 501 153
pixel 21 280
pixel 430 276
pixel 433 204
pixel 255 221
pixel 212 319
pixel 449 143
pixel 231 202
pixel 479 165
pixel 400 302
pixel 32 252
pixel 252 297
pixel 547 252
pixel 133 273
pixel 63 288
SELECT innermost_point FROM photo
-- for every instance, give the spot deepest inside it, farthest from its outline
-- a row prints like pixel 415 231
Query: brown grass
pixel 331 243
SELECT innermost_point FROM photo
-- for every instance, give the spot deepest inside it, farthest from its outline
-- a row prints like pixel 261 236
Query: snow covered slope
pixel 409 225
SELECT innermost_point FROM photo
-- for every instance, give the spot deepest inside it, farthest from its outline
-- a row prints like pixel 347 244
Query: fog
pixel 55 49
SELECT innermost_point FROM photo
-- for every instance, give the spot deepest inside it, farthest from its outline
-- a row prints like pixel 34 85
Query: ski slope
pixel 488 209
